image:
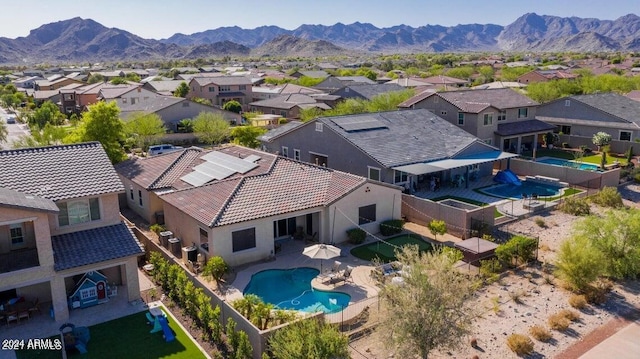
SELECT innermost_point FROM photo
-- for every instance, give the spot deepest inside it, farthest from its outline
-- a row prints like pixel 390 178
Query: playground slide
pixel 506 176
pixel 166 331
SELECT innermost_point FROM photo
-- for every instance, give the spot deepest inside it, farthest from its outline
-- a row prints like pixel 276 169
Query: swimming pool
pixel 527 187
pixel 291 289
pixel 566 163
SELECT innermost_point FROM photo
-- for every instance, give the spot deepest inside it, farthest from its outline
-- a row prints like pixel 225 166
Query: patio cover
pixel 450 163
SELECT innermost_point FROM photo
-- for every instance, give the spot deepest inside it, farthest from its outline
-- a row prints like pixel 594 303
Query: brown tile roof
pixel 473 100
pixel 289 186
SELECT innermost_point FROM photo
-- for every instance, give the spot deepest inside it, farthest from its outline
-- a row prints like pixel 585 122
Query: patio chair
pixel 335 268
pixel 35 307
pixel 24 314
pixel 343 277
pixel 12 317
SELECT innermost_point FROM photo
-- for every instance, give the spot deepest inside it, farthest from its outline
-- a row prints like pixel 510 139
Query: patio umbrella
pixel 321 251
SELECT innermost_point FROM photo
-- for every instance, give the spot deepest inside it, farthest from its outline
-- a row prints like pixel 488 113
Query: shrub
pixel 356 235
pixel 540 333
pixel 559 322
pixel 517 295
pixel 540 222
pixel 565 145
pixel 572 315
pixel 520 344
pixel 636 178
pixel 596 293
pixel 489 267
pixel 391 227
pixel 575 206
pixel 608 197
pixel 578 301
pixel 519 247
pixel 157 228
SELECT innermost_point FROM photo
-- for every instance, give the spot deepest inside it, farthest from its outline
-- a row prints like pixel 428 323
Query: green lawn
pixel 385 252
pixel 571 155
pixel 127 337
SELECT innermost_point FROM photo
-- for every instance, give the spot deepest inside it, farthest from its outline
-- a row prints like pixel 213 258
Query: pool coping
pixel 572 161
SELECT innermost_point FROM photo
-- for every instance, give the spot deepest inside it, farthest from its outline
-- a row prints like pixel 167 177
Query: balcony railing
pixel 20 259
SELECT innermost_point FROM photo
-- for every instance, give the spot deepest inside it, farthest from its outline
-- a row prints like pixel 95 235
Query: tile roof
pixel 613 104
pixel 223 80
pixel 293 88
pixel 14 199
pixel 152 105
pixel 93 246
pixel 523 127
pixel 285 101
pixel 282 129
pixel 410 136
pixel 471 100
pixel 289 186
pixel 348 80
pixel 444 80
pixel 416 98
pixel 115 91
pixel 59 172
pixel 163 86
pixel 369 91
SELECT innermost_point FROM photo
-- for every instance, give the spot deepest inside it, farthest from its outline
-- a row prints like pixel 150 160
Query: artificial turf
pixel 385 252
pixel 126 337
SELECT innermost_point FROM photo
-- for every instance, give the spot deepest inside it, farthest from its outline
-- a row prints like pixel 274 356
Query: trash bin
pixel 174 245
pixel 164 238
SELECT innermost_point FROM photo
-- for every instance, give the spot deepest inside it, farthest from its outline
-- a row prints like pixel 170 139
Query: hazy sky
pixel 163 18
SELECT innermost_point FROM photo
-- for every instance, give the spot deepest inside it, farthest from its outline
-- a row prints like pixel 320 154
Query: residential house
pixel 254 203
pixel 40 97
pixel 366 91
pixel 27 82
pixel 545 75
pixel 634 95
pixel 67 102
pixel 108 75
pixel 500 117
pixel 500 85
pixel 267 92
pixel 164 88
pixel 60 219
pixel 334 83
pixel 125 95
pixel 404 148
pixel 446 82
pixel 172 110
pixel 54 84
pixel 410 82
pixel 287 106
pixel 316 74
pixel 579 117
pixel 88 94
pixel 222 89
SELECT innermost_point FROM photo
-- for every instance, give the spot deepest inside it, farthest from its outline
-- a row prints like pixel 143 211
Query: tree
pixel 185 125
pixel 182 90
pixel 247 135
pixel 601 139
pixel 102 123
pixel 47 113
pixel 119 81
pixel 48 136
pixel 95 78
pixel 233 106
pixel 367 72
pixel 211 128
pixel 308 338
pixel 429 309
pixel 437 227
pixel 579 263
pixel 4 132
pixel 145 129
pixel 215 268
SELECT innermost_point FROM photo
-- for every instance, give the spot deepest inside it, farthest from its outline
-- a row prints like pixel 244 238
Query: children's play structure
pixel 75 337
pixel 506 176
pixel 90 290
pixel 160 323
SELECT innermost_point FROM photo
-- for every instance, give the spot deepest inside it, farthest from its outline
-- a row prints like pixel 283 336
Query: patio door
pixel 284 227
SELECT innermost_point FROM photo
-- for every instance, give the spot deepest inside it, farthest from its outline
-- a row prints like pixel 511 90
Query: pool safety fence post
pixel 342 319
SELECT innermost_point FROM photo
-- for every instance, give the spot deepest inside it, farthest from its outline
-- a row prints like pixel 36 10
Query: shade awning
pixel 450 163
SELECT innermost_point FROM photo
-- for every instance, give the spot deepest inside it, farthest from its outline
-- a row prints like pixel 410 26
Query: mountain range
pixel 81 40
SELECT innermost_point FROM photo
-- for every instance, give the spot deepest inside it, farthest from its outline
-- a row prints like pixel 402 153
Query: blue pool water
pixel 291 289
pixel 527 187
pixel 567 163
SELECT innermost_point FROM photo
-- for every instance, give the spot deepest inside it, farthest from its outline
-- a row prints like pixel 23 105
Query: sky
pixel 156 19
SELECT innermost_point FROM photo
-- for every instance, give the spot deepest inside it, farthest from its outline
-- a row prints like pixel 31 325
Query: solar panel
pixel 213 170
pixel 358 123
pixel 196 179
pixel 252 158
pixel 231 162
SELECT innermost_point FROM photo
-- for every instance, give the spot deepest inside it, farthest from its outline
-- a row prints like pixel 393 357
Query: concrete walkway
pixel 622 345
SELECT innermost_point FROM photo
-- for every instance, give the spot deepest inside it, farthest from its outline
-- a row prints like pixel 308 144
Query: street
pixel 15 130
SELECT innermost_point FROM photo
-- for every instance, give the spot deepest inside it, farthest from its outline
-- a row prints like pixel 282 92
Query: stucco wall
pixel 573 176
pixel 109 215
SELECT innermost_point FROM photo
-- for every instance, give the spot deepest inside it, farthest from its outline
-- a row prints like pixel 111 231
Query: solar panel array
pixel 218 166
pixel 359 123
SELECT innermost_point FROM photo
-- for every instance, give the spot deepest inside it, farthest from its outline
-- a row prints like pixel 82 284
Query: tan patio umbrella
pixel 321 251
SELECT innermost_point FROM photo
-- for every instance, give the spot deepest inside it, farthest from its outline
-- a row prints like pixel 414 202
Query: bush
pixel 565 145
pixel 157 228
pixel 540 333
pixel 608 197
pixel 571 315
pixel 519 247
pixel 391 227
pixel 559 322
pixel 636 178
pixel 490 267
pixel 578 301
pixel 575 206
pixel 596 293
pixel 356 235
pixel 520 344
pixel 540 222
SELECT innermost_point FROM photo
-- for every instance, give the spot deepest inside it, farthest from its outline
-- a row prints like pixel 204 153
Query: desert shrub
pixel 520 344
pixel 559 322
pixel 636 178
pixel 522 248
pixel 517 295
pixel 608 197
pixel 157 228
pixel 540 222
pixel 579 263
pixel 578 301
pixel 596 292
pixel 391 227
pixel 490 267
pixel 356 235
pixel 572 315
pixel 575 206
pixel 540 333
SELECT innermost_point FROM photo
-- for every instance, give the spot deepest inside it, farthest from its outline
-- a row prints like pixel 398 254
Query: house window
pixel 131 193
pixel 443 113
pixel 625 136
pixel 283 113
pixel 374 173
pixel 567 103
pixel 367 214
pixel 319 160
pixel 523 112
pixel 80 211
pixel 88 293
pixel 17 234
pixel 124 100
pixel 243 87
pixel 140 198
pixel 296 154
pixel 399 176
pixel 285 151
pixel 224 88
pixel 319 126
pixel 134 100
pixel 502 115
pixel 488 119
pixel 211 89
pixel 204 236
pixel 566 130
pixel 460 118
pixel 243 240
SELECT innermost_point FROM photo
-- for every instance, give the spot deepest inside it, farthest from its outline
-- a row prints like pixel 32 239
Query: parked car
pixel 11 119
pixel 160 149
